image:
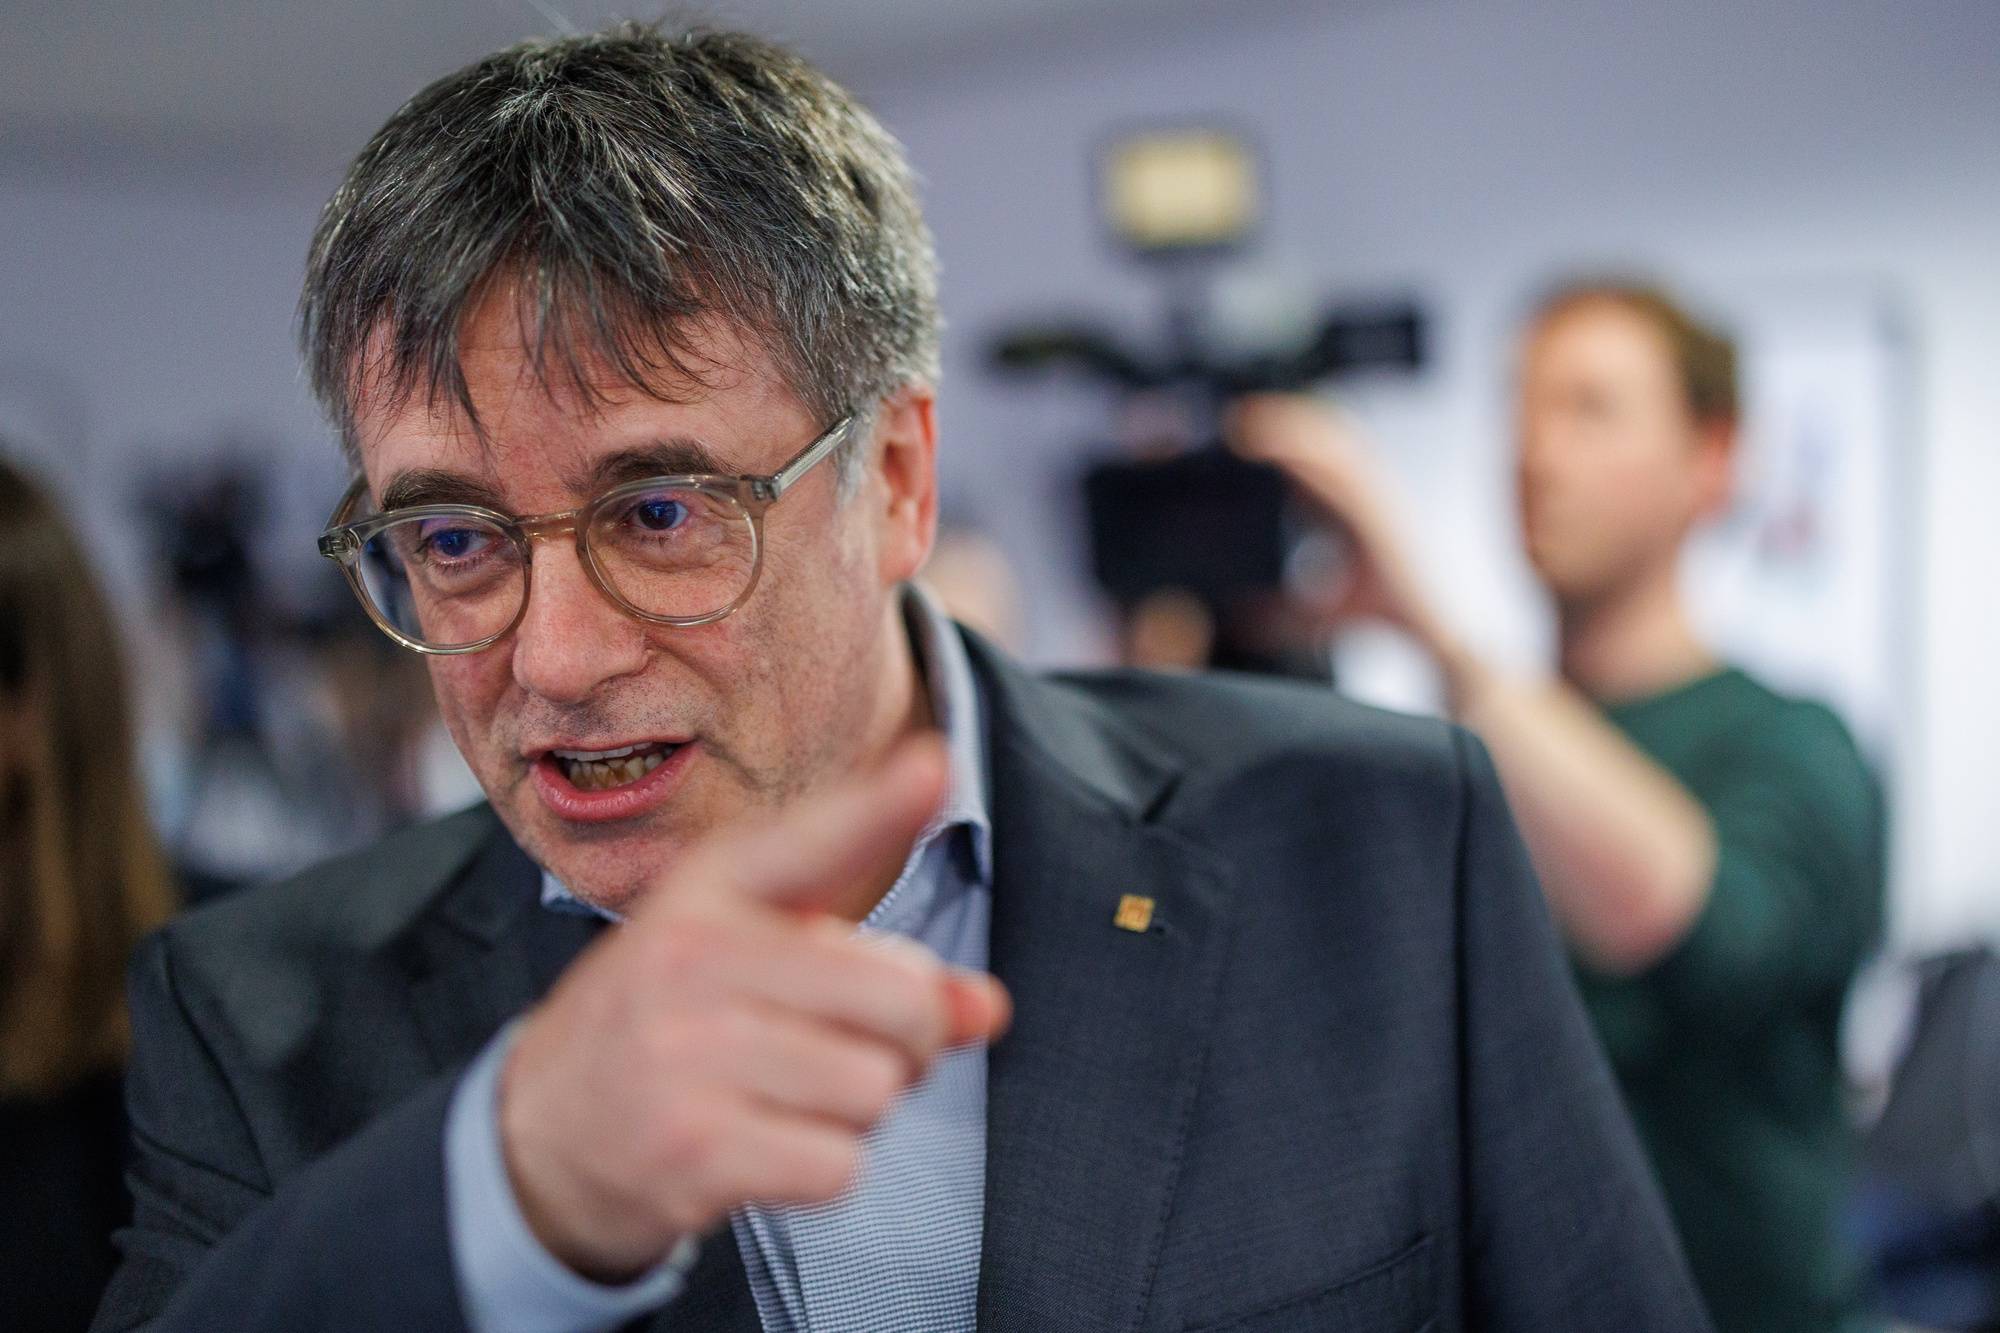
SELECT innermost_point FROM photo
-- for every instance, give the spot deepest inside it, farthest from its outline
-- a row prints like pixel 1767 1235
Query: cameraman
pixel 1712 850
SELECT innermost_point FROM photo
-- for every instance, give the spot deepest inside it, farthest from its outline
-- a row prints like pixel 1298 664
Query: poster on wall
pixel 1797 582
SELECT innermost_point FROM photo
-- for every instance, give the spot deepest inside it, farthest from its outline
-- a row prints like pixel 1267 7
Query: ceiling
pixel 299 83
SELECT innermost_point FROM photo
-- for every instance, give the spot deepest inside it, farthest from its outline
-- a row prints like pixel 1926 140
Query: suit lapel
pixel 492 952
pixel 1090 1094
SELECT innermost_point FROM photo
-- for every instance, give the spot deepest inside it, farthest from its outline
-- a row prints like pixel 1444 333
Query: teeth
pixel 603 774
pixel 596 755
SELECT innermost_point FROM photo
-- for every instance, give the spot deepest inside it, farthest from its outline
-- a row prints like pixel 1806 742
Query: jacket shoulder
pixel 1225 723
pixel 352 906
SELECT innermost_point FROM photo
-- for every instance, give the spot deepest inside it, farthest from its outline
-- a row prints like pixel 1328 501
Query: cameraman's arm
pixel 1624 852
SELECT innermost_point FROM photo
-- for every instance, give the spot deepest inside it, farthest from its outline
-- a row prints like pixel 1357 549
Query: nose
pixel 571 639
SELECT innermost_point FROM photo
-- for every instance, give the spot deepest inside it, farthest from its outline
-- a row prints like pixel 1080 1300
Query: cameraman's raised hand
pixel 731 1042
pixel 1325 458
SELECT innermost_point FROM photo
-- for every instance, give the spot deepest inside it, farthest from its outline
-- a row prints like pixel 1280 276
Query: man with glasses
pixel 812 965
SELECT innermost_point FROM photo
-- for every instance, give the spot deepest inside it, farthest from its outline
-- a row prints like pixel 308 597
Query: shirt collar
pixel 956 708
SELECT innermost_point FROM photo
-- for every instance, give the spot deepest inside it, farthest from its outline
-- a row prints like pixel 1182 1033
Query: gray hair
pixel 634 184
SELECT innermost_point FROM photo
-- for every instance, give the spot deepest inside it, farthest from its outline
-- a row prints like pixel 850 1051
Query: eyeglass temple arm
pixel 770 488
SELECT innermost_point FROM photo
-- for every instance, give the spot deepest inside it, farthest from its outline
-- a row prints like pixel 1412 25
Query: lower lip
pixel 568 801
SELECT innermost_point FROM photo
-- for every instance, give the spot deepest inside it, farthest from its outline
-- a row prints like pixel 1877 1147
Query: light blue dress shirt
pixel 900 1248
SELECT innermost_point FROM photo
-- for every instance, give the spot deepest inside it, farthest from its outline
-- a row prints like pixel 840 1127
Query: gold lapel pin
pixel 1134 914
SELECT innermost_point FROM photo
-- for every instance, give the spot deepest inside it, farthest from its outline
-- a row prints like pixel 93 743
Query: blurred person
pixel 631 338
pixel 975 584
pixel 1167 630
pixel 1712 850
pixel 81 880
pixel 300 731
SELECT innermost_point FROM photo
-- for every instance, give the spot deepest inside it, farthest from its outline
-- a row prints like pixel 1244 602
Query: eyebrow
pixel 676 456
pixel 673 457
pixel 435 486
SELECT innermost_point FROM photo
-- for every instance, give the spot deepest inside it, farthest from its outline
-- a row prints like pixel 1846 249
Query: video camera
pixel 1197 519
pixel 1203 520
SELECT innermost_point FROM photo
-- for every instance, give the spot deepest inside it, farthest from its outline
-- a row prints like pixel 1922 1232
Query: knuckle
pixel 916 962
pixel 864 1084
pixel 688 1141
pixel 671 1041
pixel 927 1017
pixel 731 1046
pixel 911 993
pixel 880 1078
pixel 732 1029
pixel 829 931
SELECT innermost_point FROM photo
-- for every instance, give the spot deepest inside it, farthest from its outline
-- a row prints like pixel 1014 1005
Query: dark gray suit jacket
pixel 1342 1082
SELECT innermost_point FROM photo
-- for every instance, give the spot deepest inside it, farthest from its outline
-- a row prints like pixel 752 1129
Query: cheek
pixel 469 690
pixel 1651 494
pixel 1605 487
pixel 753 662
pixel 820 613
pixel 824 564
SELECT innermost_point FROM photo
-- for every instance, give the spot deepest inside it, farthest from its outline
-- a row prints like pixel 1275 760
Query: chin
pixel 606 866
pixel 613 877
pixel 1583 592
pixel 1562 575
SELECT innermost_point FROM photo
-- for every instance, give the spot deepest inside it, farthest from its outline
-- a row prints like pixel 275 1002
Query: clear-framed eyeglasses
pixel 454 578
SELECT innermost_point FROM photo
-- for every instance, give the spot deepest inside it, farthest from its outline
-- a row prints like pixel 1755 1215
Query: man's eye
pixel 454 543
pixel 659 513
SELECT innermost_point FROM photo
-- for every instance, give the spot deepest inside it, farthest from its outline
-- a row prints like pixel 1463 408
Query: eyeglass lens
pixel 675 552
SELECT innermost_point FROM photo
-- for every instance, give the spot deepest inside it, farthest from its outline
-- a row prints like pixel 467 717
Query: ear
pixel 1715 468
pixel 906 440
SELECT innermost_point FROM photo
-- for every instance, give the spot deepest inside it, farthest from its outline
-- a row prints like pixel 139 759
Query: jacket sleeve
pixel 1564 1226
pixel 355 1240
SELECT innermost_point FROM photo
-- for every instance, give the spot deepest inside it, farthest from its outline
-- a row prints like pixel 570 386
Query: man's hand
pixel 1323 456
pixel 730 1043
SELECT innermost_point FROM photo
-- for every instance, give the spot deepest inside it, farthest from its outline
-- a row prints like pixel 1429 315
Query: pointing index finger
pixel 814 850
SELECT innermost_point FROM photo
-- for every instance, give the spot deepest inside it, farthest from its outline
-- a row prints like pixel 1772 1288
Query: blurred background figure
pixel 1712 850
pixel 81 879
pixel 297 730
pixel 975 583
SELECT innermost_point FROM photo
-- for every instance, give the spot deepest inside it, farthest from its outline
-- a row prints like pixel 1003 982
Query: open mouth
pixel 602 770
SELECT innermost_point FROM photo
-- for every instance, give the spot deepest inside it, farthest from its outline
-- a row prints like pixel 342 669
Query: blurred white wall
pixel 142 318
pixel 1461 149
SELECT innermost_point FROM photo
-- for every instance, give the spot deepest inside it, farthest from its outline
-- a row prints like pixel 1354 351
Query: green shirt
pixel 1727 1050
